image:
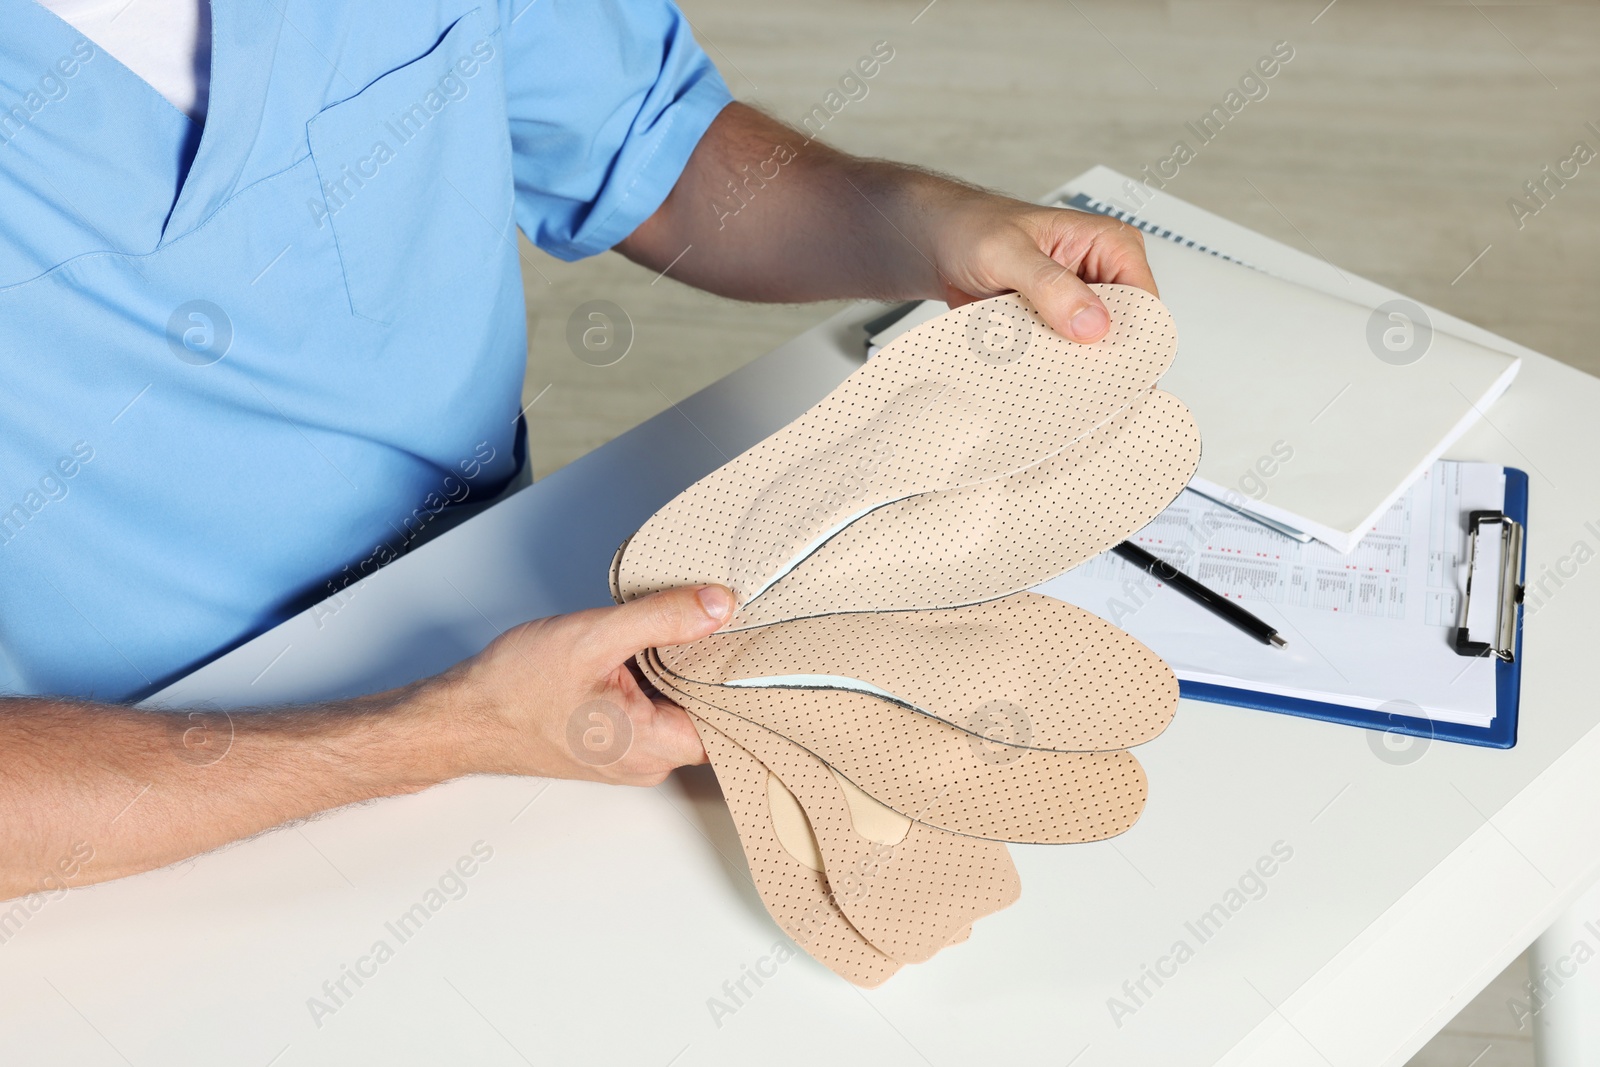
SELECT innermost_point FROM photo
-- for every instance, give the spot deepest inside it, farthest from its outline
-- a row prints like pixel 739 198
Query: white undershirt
pixel 165 42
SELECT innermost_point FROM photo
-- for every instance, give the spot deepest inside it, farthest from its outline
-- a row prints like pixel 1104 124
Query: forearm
pixel 767 215
pixel 90 792
pixel 93 792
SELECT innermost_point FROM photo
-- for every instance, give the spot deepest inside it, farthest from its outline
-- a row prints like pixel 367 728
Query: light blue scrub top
pixel 240 365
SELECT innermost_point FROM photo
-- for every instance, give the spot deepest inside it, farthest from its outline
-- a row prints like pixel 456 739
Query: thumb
pixel 670 617
pixel 1065 302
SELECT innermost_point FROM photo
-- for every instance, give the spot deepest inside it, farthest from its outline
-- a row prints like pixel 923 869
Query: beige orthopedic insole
pixel 978 393
pixel 907 887
pixel 928 770
pixel 794 892
pixel 987 540
pixel 887 707
pixel 1025 670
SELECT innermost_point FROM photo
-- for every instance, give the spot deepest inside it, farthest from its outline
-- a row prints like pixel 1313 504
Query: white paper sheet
pixel 1371 629
pixel 1483 607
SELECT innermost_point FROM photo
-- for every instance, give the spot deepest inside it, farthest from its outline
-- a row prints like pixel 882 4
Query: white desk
pixel 606 918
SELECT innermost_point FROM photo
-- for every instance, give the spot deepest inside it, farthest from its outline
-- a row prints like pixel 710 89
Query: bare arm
pixel 92 792
pixel 766 214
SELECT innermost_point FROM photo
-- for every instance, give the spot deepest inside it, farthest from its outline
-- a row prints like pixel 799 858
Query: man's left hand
pixel 762 212
pixel 985 245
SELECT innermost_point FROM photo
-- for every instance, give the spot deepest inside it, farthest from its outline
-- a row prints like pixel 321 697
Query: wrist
pixel 924 212
pixel 464 713
pixel 444 728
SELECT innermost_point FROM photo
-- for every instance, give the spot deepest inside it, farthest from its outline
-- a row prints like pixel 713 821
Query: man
pixel 257 320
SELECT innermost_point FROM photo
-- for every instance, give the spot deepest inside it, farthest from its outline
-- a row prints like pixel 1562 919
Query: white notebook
pixel 1369 629
pixel 1302 421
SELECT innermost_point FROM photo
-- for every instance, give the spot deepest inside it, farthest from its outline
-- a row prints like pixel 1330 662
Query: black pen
pixel 1216 603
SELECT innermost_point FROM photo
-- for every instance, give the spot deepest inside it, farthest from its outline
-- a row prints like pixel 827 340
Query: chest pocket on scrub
pixel 416 174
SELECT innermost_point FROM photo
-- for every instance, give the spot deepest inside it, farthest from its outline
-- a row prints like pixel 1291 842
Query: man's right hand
pixel 558 698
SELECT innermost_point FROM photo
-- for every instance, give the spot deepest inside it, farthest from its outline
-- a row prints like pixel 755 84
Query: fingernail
pixel 716 600
pixel 1089 323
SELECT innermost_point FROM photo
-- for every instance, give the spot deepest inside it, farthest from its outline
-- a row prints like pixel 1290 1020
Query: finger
pixel 674 738
pixel 1065 301
pixel 1116 255
pixel 670 617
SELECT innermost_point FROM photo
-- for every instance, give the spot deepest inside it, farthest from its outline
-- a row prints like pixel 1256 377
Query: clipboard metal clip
pixel 1494 586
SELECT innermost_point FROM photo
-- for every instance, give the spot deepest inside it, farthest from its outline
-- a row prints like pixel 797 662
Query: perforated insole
pixel 907 887
pixel 963 546
pixel 793 827
pixel 978 393
pixel 795 895
pixel 925 769
pixel 1026 670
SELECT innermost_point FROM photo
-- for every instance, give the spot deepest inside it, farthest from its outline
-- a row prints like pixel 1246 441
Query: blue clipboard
pixel 1501 733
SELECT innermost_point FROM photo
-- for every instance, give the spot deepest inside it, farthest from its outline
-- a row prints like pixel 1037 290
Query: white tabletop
pixel 604 920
